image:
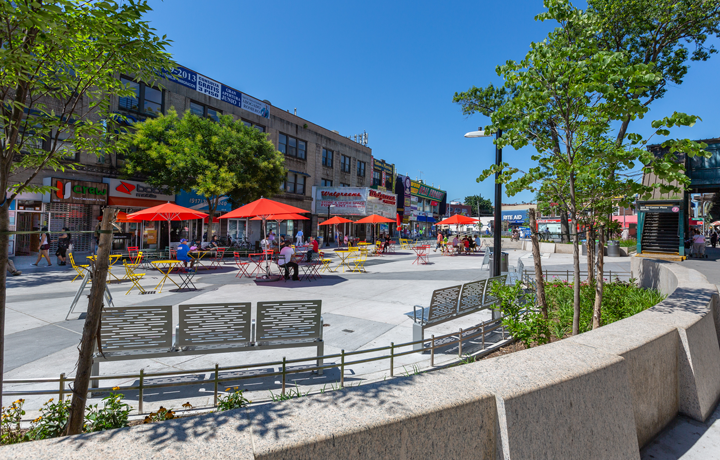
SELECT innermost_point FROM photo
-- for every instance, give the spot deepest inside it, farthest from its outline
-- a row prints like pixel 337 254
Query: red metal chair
pixel 242 266
pixel 218 259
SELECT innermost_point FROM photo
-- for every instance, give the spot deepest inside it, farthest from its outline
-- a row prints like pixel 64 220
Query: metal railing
pixel 446 340
pixel 568 275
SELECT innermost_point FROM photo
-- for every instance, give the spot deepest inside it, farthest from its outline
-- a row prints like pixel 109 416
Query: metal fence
pixel 568 275
pixel 462 335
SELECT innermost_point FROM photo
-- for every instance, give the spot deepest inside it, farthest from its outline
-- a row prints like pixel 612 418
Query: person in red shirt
pixel 313 249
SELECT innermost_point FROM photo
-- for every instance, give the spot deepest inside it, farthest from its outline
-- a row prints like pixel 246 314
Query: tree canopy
pixel 477 202
pixel 211 158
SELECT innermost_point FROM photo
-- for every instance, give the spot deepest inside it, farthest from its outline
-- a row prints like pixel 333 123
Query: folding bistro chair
pixel 242 266
pixel 359 263
pixel 78 268
pixel 134 277
pixel 133 252
pixel 217 260
pixel 325 262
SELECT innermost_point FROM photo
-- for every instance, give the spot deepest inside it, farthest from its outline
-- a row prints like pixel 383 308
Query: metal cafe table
pixel 343 254
pixel 165 267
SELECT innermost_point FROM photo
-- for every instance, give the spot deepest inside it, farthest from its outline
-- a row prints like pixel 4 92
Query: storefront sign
pixel 385 197
pixel 425 191
pixel 344 201
pixel 122 188
pixel 199 203
pixel 79 192
pixel 514 217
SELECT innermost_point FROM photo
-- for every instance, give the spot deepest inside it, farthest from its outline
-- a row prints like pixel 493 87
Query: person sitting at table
pixel 466 243
pixel 285 260
pixel 455 242
pixel 182 254
pixel 214 242
pixel 313 249
pixel 386 245
pixel 478 243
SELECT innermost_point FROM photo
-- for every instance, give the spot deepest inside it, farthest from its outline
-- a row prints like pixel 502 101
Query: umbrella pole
pixel 168 222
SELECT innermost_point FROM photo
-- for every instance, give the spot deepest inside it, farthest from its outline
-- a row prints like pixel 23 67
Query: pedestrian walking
pixel 439 241
pixel 299 238
pixel 44 247
pixel 713 238
pixel 63 244
pixel 11 268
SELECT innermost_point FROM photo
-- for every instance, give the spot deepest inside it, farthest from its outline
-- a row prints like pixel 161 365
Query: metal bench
pixel 451 303
pixel 147 332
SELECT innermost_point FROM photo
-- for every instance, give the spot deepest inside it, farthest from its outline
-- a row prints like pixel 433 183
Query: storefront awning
pixel 133 202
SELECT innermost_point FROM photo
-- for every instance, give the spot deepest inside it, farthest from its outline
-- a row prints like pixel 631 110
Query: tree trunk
pixel 4 251
pixel 590 243
pixel 597 309
pixel 539 280
pixel 564 229
pixel 92 321
pixel 212 206
pixel 576 257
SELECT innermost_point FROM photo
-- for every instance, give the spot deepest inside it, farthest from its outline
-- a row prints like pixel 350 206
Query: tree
pixel 58 66
pixel 478 205
pixel 563 99
pixel 212 158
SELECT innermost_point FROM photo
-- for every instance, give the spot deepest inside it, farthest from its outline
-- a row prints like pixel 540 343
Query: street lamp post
pixel 497 224
pixel 327 231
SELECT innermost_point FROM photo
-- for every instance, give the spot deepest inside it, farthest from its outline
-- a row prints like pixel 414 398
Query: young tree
pixel 58 66
pixel 478 205
pixel 212 158
pixel 563 99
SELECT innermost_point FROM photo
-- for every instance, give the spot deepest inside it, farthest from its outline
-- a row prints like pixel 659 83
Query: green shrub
pixel 52 421
pixel 113 414
pixel 234 400
pixel 524 324
pixel 161 415
pixel 10 423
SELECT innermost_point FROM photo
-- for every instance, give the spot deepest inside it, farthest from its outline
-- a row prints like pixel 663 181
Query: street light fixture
pixel 497 227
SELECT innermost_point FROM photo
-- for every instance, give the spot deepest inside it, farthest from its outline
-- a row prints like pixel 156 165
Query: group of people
pixel 466 244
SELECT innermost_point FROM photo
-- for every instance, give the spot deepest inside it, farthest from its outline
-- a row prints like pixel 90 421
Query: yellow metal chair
pixel 134 277
pixel 325 262
pixel 404 243
pixel 359 263
pixel 78 268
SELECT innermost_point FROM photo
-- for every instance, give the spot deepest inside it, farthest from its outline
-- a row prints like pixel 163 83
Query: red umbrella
pixel 291 216
pixel 375 219
pixel 265 209
pixel 398 222
pixel 262 207
pixel 122 217
pixel 457 219
pixel 337 220
pixel 167 212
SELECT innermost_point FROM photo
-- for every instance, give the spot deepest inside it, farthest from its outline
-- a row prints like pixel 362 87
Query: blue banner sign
pixel 212 88
pixel 514 217
pixel 198 202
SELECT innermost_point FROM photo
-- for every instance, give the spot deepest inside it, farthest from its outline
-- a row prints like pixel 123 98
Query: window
pixel 344 185
pixel 202 110
pixel 345 164
pixel 253 125
pixel 377 178
pixel 361 168
pixel 147 100
pixel 327 158
pixel 326 183
pixel 292 147
pixel 295 183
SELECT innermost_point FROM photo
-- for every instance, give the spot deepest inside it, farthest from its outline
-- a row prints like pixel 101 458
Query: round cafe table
pixel 343 254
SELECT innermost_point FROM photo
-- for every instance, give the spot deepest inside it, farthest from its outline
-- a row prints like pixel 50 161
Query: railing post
pixel 392 358
pixel 62 387
pixel 432 351
pixel 217 378
pixel 483 335
pixel 342 368
pixel 284 370
pixel 460 344
pixel 141 391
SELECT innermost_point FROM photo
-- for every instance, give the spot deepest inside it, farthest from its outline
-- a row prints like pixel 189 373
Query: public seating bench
pixel 146 332
pixel 453 302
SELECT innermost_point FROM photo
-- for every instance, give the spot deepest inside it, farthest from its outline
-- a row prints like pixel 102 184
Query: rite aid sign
pixel 122 188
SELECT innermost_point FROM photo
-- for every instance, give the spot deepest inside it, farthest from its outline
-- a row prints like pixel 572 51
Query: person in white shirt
pixel 285 260
pixel 299 238
pixel 698 244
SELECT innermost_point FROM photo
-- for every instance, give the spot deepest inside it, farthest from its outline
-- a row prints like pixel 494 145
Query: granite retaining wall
pixel 600 395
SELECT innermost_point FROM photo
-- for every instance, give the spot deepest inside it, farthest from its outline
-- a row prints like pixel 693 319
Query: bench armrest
pixel 422 314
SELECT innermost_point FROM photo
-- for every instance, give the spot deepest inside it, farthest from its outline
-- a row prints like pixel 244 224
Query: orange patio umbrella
pixel 167 212
pixel 375 219
pixel 457 219
pixel 290 216
pixel 335 221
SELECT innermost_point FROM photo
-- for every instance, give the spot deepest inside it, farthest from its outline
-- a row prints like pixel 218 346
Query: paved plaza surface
pixel 360 310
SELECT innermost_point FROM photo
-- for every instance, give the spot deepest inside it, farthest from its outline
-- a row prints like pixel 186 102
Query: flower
pixel 116 388
pixel 227 389
pixel 237 388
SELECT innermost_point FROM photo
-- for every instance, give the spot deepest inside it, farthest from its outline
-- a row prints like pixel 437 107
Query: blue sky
pixel 390 68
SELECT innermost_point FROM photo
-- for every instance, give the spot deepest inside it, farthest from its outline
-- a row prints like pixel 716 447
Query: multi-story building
pixel 314 156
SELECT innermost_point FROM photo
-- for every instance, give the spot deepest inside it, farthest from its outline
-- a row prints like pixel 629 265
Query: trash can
pixel 584 247
pixel 613 249
pixel 503 263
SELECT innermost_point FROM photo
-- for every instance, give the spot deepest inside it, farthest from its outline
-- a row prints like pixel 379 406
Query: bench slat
pixel 471 297
pixel 444 303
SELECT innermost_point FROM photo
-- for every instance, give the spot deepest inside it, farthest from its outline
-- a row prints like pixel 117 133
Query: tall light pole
pixel 327 230
pixel 497 224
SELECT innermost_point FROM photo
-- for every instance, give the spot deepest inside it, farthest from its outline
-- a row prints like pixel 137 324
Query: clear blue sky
pixel 390 68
